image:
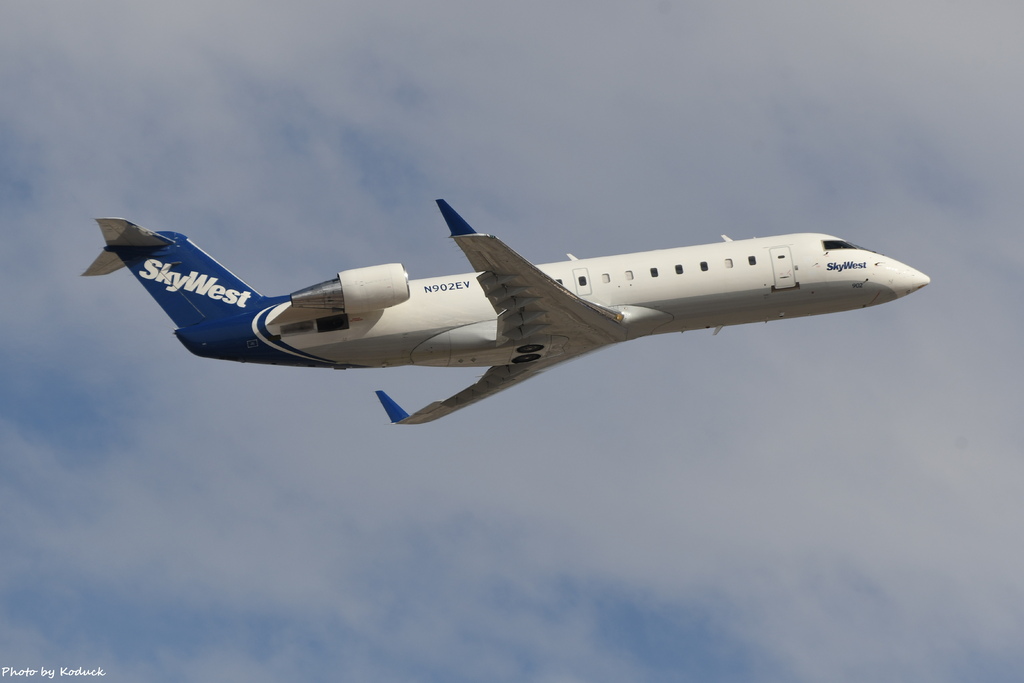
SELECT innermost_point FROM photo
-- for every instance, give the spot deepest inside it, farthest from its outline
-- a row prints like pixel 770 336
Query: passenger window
pixel 654 272
pixel 704 265
pixel 751 260
pixel 629 274
pixel 583 280
pixel 728 263
pixel 679 270
pixel 559 281
pixel 606 278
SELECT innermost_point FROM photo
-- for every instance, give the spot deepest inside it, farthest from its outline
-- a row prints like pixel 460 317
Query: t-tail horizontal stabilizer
pixel 119 233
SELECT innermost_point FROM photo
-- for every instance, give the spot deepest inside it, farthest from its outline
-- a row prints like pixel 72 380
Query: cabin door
pixel 782 268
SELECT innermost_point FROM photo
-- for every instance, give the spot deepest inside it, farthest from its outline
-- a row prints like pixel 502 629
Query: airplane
pixel 510 316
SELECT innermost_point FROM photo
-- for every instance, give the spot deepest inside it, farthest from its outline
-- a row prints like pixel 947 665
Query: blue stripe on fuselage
pixel 244 338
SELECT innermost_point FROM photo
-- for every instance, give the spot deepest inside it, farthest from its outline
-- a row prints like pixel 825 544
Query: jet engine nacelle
pixel 359 290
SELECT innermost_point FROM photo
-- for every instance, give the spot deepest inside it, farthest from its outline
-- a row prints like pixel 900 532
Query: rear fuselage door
pixel 782 268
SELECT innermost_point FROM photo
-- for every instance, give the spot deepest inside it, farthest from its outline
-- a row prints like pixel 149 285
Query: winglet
pixel 456 223
pixel 394 411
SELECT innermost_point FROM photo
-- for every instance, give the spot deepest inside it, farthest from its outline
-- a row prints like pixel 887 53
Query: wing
pixel 528 303
pixel 496 379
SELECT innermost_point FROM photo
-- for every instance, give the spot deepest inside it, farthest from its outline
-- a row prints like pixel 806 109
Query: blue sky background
pixel 836 498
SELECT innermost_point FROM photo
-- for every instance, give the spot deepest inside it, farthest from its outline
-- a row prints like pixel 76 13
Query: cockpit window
pixel 832 245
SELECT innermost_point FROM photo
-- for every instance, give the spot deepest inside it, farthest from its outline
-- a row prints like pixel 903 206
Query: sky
pixel 832 498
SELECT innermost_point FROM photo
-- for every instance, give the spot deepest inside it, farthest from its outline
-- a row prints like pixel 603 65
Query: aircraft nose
pixel 909 280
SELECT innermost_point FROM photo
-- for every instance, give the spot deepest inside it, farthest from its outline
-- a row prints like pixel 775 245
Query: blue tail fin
pixel 187 282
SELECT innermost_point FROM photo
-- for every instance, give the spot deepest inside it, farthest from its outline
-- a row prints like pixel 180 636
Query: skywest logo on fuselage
pixel 849 265
pixel 193 282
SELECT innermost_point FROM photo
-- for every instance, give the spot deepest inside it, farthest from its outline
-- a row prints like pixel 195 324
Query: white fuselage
pixel 447 321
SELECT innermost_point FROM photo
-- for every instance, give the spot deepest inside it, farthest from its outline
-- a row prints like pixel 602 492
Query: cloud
pixel 822 498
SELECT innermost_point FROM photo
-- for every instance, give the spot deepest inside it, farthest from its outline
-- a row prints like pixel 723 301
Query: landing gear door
pixel 783 268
